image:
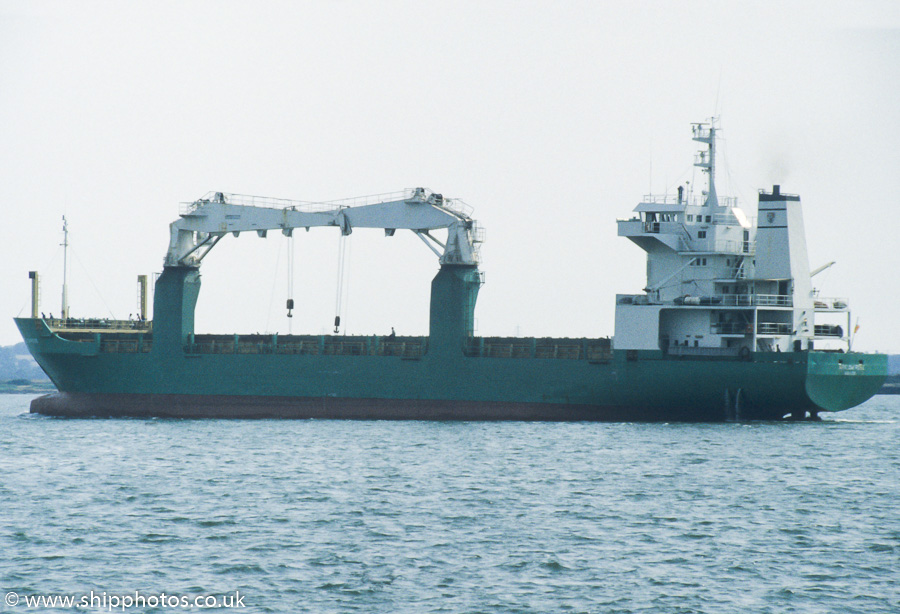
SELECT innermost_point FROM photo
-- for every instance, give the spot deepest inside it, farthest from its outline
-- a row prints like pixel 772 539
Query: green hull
pixel 449 375
pixel 642 386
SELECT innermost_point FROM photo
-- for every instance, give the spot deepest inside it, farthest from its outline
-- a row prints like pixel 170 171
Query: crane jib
pixel 204 222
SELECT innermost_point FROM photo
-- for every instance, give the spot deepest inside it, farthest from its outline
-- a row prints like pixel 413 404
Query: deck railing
pixel 325 345
pixel 831 304
pixel 773 328
pixel 125 346
pixel 408 348
pixel 454 204
pixel 594 350
pixel 257 201
pixel 829 330
pixel 85 324
pixel 723 246
pixel 719 300
pixel 731 328
pixel 762 300
pixel 682 350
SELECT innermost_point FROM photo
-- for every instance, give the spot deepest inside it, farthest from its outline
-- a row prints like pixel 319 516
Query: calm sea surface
pixel 322 516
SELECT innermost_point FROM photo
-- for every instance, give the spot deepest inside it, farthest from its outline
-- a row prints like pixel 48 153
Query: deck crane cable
pixel 678 181
pixel 732 183
pixel 338 303
pixel 290 282
pixel 93 285
pixel 345 303
pixel 272 294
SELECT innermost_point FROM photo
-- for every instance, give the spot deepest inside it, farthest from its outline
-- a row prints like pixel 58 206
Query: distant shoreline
pixel 26 387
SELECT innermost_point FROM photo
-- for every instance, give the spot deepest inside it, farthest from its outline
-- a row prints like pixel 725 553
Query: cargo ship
pixel 728 327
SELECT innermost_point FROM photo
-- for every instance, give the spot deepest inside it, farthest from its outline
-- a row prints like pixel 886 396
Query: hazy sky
pixel 551 119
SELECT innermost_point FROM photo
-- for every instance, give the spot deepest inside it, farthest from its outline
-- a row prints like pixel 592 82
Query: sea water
pixel 342 516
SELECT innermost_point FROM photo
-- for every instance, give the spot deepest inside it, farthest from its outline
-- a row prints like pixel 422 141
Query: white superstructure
pixel 203 223
pixel 718 283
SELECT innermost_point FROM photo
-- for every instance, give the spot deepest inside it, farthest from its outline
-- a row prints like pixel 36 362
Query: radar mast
pixel 65 286
pixel 705 132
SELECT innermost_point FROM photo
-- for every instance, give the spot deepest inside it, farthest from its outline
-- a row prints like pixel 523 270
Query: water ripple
pixel 458 517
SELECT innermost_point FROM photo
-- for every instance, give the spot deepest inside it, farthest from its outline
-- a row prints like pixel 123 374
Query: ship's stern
pixel 837 381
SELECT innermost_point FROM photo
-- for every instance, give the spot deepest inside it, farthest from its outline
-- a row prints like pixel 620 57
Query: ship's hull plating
pixel 645 386
pixel 262 407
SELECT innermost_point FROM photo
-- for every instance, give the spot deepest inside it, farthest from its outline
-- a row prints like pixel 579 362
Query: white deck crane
pixel 204 222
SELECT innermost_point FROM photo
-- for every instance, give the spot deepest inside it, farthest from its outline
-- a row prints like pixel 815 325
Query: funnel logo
pixel 770 217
